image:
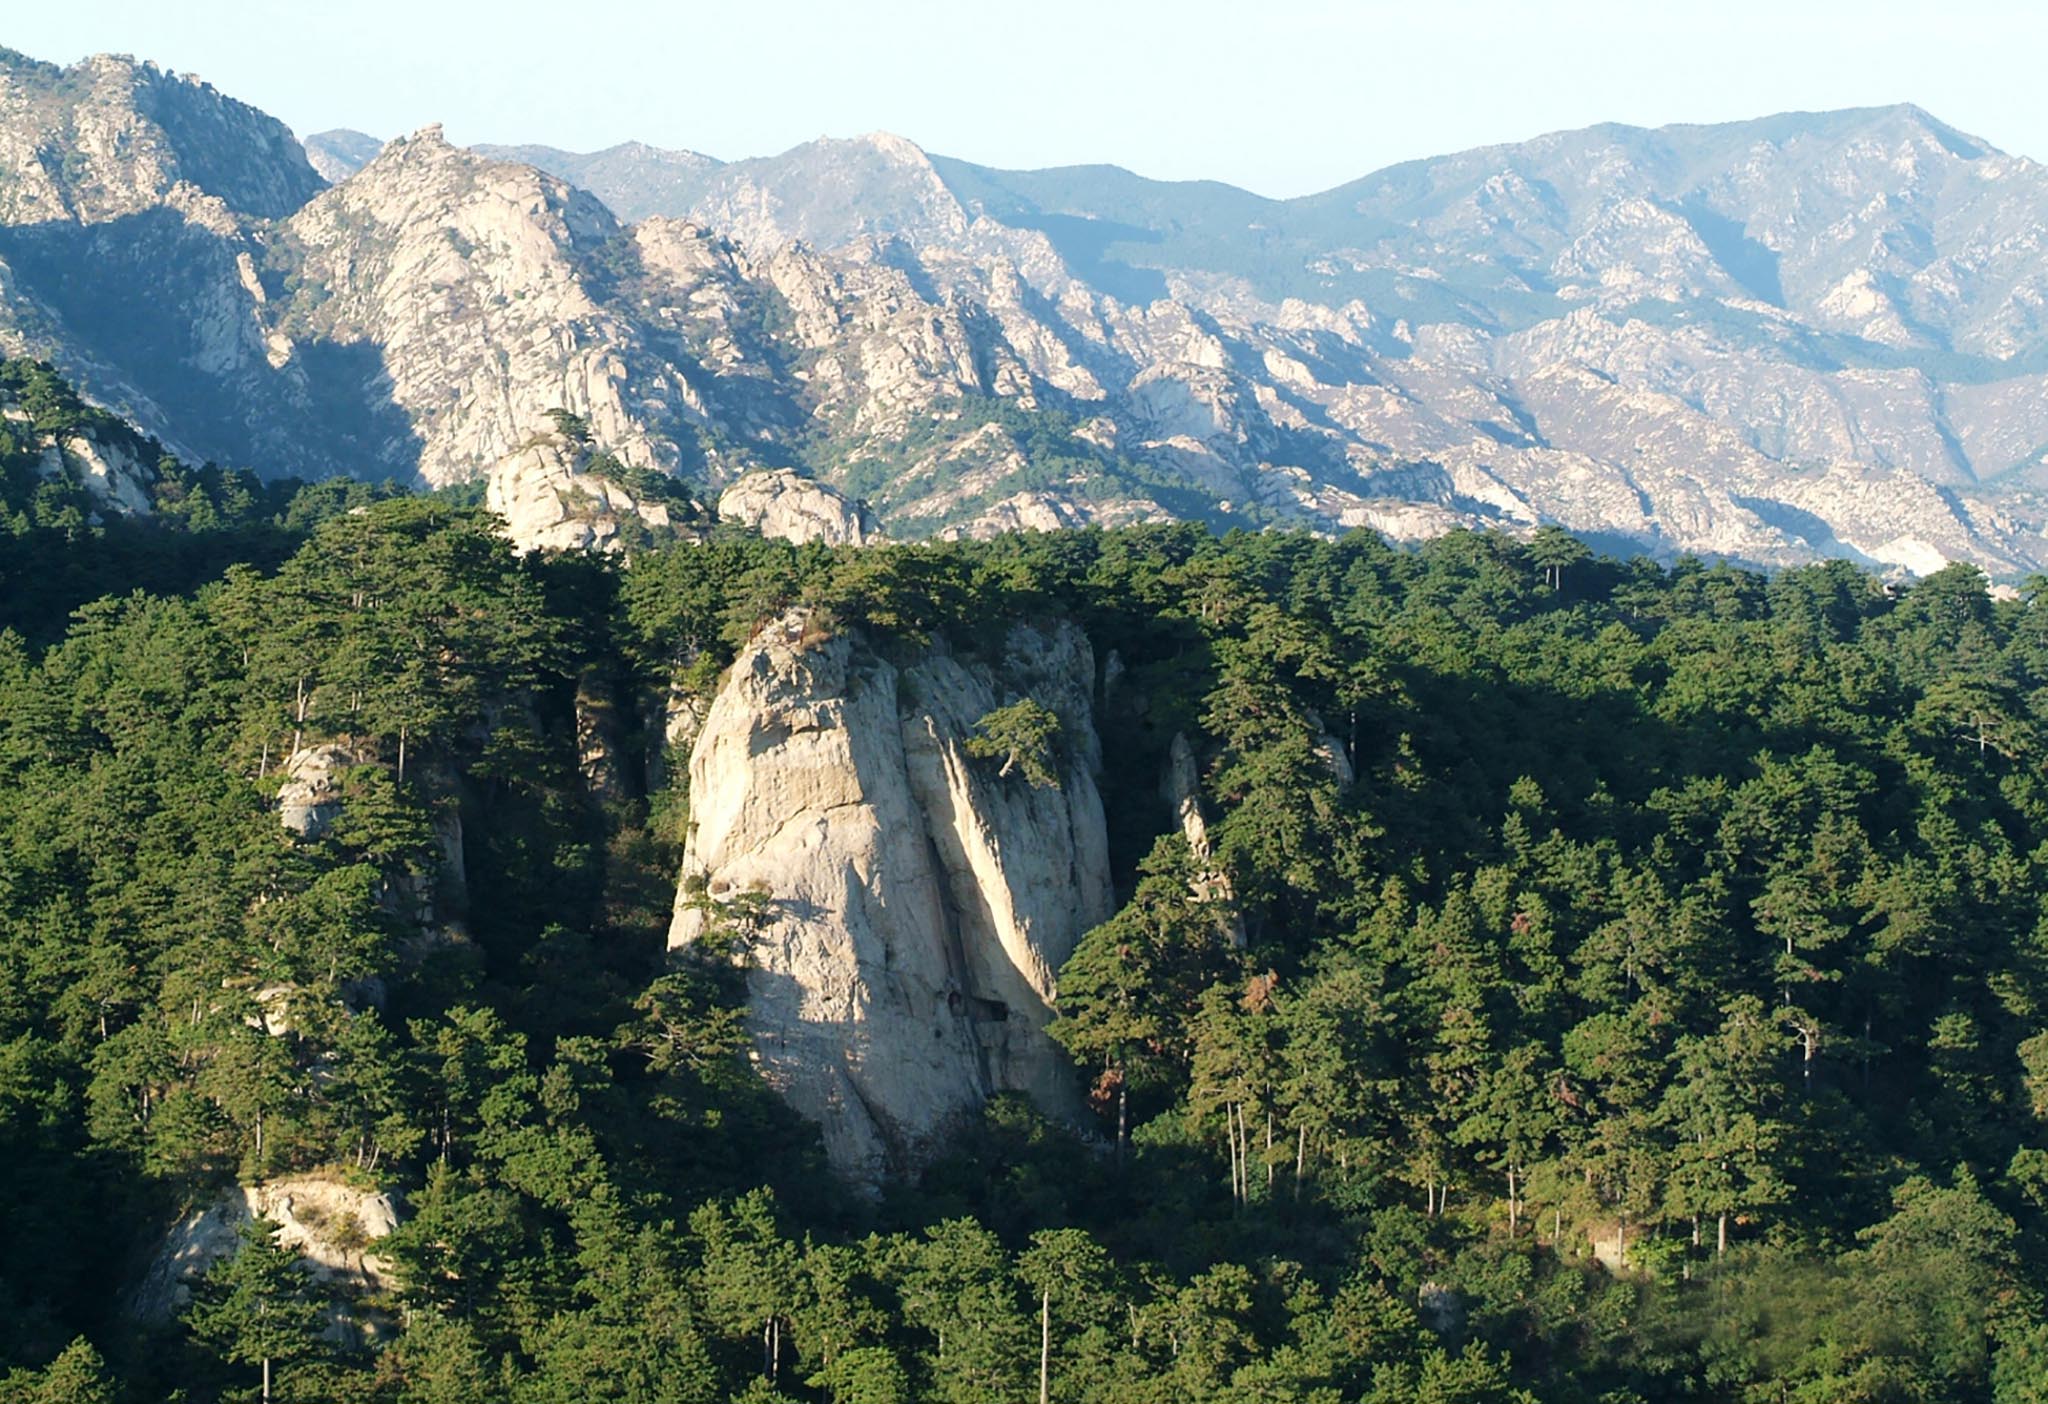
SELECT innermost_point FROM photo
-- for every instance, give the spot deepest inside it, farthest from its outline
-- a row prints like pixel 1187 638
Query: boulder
pixel 310 798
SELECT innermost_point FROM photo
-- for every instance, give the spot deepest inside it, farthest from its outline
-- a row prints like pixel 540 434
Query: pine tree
pixel 255 1306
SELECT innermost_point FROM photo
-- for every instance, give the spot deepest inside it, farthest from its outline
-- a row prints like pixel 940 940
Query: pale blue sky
pixel 1281 96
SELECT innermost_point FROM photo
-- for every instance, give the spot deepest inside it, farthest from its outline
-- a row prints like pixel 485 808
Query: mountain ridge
pixel 1798 336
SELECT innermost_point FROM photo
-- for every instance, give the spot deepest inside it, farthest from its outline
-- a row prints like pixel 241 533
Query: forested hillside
pixel 1605 982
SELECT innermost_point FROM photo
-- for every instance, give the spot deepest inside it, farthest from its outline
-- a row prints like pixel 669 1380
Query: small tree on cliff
pixel 571 426
pixel 1026 735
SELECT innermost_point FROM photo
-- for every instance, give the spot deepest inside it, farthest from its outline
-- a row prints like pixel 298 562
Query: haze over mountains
pixel 1808 335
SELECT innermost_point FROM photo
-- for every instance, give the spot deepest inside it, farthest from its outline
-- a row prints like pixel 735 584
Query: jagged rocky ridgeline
pixel 917 903
pixel 1810 335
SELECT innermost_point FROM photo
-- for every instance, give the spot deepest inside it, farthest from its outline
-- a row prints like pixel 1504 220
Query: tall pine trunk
pixel 1045 1346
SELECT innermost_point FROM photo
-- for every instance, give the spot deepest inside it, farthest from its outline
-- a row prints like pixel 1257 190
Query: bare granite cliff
pixel 551 499
pixel 918 903
pixel 786 505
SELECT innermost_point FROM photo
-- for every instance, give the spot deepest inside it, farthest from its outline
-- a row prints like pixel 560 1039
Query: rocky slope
pixel 917 904
pixel 109 138
pixel 1812 335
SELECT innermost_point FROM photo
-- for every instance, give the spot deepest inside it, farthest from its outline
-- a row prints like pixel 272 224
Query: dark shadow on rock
pixel 1747 261
pixel 164 330
pixel 1805 526
pixel 1086 245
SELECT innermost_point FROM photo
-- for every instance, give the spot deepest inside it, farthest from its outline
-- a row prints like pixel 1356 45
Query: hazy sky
pixel 1281 96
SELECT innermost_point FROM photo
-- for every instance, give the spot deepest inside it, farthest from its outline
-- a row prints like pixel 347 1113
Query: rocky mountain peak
pixel 826 192
pixel 894 148
pixel 109 137
pixel 471 280
pixel 1912 120
pixel 1813 334
pixel 424 175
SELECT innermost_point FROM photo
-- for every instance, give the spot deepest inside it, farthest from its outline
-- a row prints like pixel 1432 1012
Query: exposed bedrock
pixel 919 903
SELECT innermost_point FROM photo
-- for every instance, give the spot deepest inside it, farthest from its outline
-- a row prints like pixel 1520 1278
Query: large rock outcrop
pixel 118 480
pixel 329 1223
pixel 309 800
pixel 918 905
pixel 791 507
pixel 551 501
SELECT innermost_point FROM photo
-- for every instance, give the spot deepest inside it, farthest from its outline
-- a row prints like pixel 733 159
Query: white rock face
pixel 1181 787
pixel 327 1222
pixel 1330 751
pixel 790 507
pixel 310 798
pixel 550 504
pixel 1026 511
pixel 111 472
pixel 919 906
pixel 113 475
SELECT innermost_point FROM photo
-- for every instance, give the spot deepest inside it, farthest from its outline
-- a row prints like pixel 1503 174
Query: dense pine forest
pixel 1609 982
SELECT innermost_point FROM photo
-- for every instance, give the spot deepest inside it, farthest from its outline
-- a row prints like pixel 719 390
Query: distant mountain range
pixel 1809 335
